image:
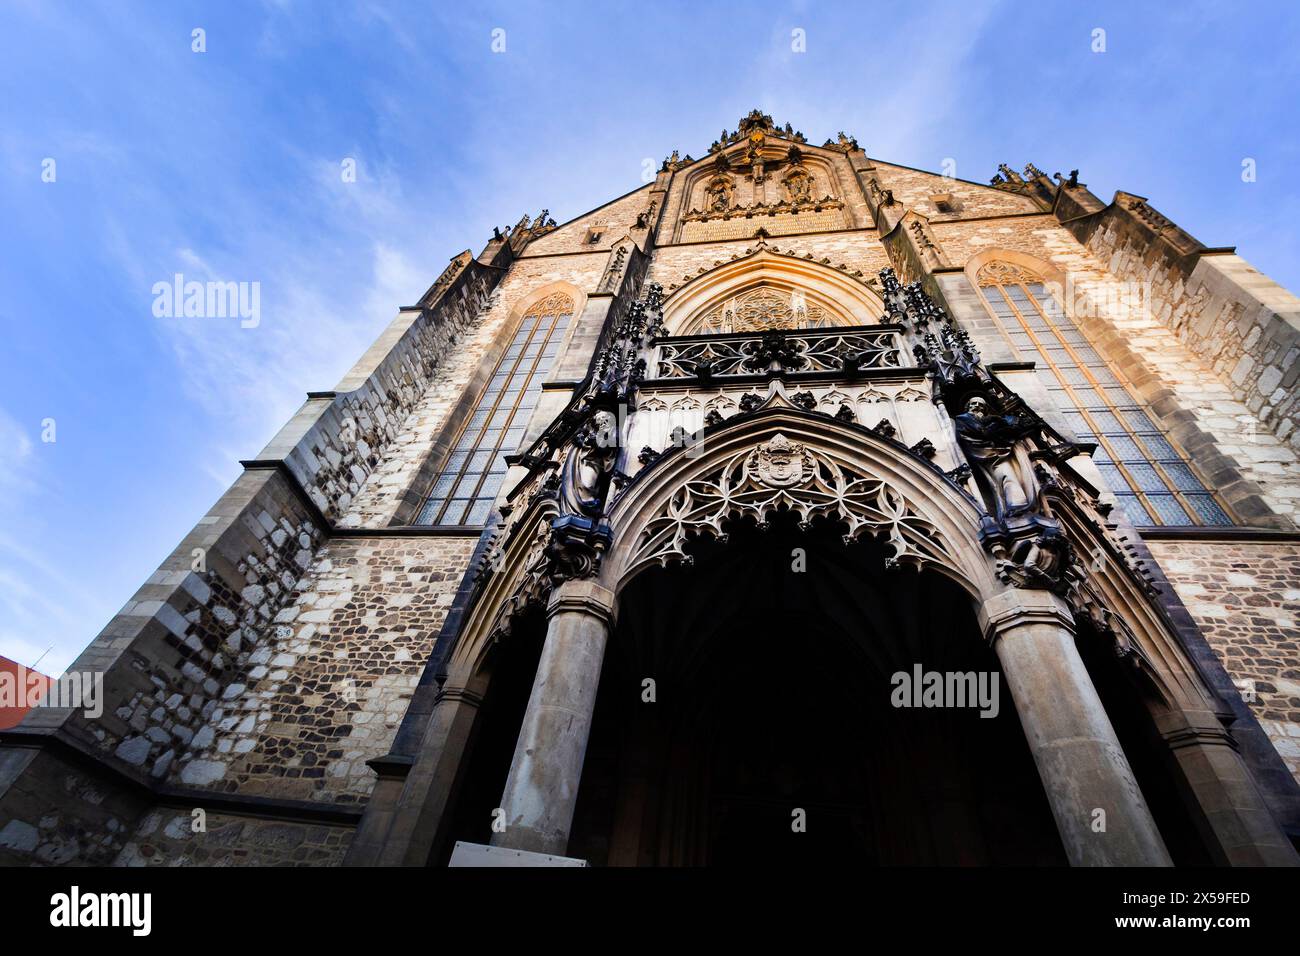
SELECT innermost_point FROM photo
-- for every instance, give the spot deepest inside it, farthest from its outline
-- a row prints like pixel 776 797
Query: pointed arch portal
pixel 799 292
pixel 725 689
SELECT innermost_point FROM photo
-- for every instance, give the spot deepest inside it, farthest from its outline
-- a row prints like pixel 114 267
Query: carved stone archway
pixel 813 466
pixel 575 558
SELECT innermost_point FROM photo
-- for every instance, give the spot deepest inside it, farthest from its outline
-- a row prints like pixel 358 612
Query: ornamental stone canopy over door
pixel 795 507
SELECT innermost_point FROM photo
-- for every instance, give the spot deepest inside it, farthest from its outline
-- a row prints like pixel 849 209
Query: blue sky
pixel 226 165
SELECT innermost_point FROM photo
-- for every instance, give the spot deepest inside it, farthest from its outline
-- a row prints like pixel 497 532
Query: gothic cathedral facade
pixel 795 505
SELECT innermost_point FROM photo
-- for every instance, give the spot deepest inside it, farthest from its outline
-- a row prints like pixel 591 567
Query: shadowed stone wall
pixel 165 837
pixel 1246 599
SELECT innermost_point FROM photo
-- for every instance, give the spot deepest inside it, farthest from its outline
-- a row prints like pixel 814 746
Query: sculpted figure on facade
pixel 799 186
pixel 587 468
pixel 719 193
pixel 989 442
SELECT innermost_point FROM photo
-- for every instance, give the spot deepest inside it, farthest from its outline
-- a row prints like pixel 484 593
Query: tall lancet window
pixel 468 483
pixel 1153 481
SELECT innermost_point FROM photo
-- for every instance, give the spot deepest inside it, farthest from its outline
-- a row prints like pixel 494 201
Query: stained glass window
pixel 1153 482
pixel 467 485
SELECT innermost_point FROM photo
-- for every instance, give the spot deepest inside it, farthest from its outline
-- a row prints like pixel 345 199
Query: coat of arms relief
pixel 781 463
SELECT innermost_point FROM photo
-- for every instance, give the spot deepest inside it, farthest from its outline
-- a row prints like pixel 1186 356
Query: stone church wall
pixel 914 189
pixel 613 220
pixel 775 224
pixel 1239 322
pixel 339 437
pixel 328 686
pixel 165 837
pixel 379 499
pixel 1246 599
pixel 857 251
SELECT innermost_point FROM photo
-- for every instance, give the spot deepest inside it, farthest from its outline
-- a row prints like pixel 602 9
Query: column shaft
pixel 1079 758
pixel 542 788
pixel 406 819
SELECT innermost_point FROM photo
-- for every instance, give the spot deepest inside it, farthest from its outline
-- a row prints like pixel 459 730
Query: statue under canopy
pixel 1002 472
pixel 587 469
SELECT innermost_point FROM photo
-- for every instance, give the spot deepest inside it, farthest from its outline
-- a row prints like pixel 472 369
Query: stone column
pixel 542 788
pixel 404 819
pixel 1079 758
pixel 1226 804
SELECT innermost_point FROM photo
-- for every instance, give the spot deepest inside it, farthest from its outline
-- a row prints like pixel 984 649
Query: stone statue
pixel 719 194
pixel 799 185
pixel 585 476
pixel 989 442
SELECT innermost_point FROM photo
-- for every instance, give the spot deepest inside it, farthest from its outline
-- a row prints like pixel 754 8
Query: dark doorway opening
pixel 772 660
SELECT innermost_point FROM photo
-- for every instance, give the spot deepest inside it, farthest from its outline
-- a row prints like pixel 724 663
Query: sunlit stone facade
pixel 618 544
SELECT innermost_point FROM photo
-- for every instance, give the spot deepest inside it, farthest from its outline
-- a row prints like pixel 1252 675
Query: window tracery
pixel 765 308
pixel 1152 480
pixel 467 485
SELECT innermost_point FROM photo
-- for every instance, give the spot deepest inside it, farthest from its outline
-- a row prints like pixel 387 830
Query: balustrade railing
pixel 756 353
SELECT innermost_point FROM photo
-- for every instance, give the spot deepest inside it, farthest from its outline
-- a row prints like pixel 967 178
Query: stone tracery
pixel 785 475
pixel 765 308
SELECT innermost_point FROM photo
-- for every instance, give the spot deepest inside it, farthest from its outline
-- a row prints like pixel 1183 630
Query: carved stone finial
pixel 843 142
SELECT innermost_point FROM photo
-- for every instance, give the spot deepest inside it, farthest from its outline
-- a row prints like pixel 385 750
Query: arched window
pixel 463 491
pixel 1152 480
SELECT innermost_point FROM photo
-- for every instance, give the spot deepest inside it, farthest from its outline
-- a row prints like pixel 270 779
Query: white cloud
pixel 17 477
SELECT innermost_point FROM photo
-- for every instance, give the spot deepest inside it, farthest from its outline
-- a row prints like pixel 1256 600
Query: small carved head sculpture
pixel 604 429
pixel 978 406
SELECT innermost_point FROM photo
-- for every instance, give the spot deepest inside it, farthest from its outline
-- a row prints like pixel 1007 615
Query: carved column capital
pixel 582 597
pixel 1020 608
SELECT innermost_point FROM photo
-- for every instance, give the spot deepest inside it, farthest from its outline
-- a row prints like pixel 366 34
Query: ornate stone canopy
pixel 784 475
pixel 783 460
